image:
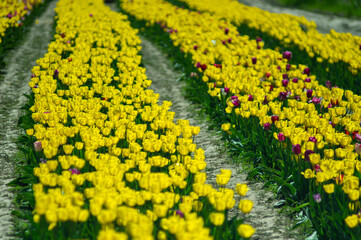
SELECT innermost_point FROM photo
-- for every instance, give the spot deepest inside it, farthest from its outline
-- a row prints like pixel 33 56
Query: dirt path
pixel 13 85
pixel 325 22
pixel 264 217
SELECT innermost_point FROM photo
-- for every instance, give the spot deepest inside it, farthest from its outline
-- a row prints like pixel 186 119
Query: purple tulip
pixel 308 80
pixel 296 149
pixel 328 84
pixel 226 31
pixel 295 80
pixel 179 213
pixel 285 76
pixel 226 89
pixel 285 82
pixel 317 197
pixel 307 154
pixel 287 55
pixel 307 71
pixel 254 60
pixel 267 126
pixel 281 137
pixel 309 93
pixel 250 98
pixel 265 101
pixel 74 171
pixel 316 100
pixel 288 67
pixel 259 39
pixel 236 102
pixel 282 96
pixel 312 139
pixel 56 73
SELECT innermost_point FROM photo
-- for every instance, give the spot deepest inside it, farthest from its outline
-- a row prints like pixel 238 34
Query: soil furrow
pixel 267 220
pixel 13 86
pixel 325 22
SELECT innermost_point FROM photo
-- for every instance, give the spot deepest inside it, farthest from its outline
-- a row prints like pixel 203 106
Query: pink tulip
pixel 37 146
pixel 285 82
pixel 358 148
pixel 287 55
pixel 281 137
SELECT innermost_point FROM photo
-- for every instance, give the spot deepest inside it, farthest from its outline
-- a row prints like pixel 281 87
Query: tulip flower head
pixel 328 84
pixel 358 148
pixel 267 126
pixel 285 82
pixel 296 149
pixel 282 96
pixel 37 146
pixel 358 137
pixel 317 197
pixel 287 55
pixel 307 155
pixel 281 137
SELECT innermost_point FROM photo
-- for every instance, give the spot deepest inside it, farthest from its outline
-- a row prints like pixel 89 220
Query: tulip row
pixel 317 125
pixel 109 161
pixel 332 47
pixel 13 13
pixel 340 73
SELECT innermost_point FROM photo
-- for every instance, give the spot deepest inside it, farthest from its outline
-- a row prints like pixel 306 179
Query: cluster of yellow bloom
pixel 109 149
pixel 13 12
pixel 332 47
pixel 322 122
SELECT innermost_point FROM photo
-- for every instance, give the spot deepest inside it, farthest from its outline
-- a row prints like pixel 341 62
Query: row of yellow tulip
pixel 13 13
pixel 108 150
pixel 332 47
pixel 322 122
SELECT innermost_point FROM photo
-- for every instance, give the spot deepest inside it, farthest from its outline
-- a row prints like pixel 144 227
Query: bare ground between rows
pixel 267 220
pixel 13 84
pixel 325 22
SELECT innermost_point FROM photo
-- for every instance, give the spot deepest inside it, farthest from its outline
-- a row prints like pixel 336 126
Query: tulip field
pixel 106 159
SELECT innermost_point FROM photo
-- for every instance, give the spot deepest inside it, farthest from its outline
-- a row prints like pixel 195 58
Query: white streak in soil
pixel 13 84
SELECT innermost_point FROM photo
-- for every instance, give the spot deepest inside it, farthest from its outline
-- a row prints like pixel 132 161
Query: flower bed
pixel 13 13
pixel 307 130
pixel 332 47
pixel 15 16
pixel 318 54
pixel 106 160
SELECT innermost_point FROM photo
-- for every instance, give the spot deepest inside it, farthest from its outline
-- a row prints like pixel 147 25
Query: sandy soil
pixel 324 22
pixel 13 85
